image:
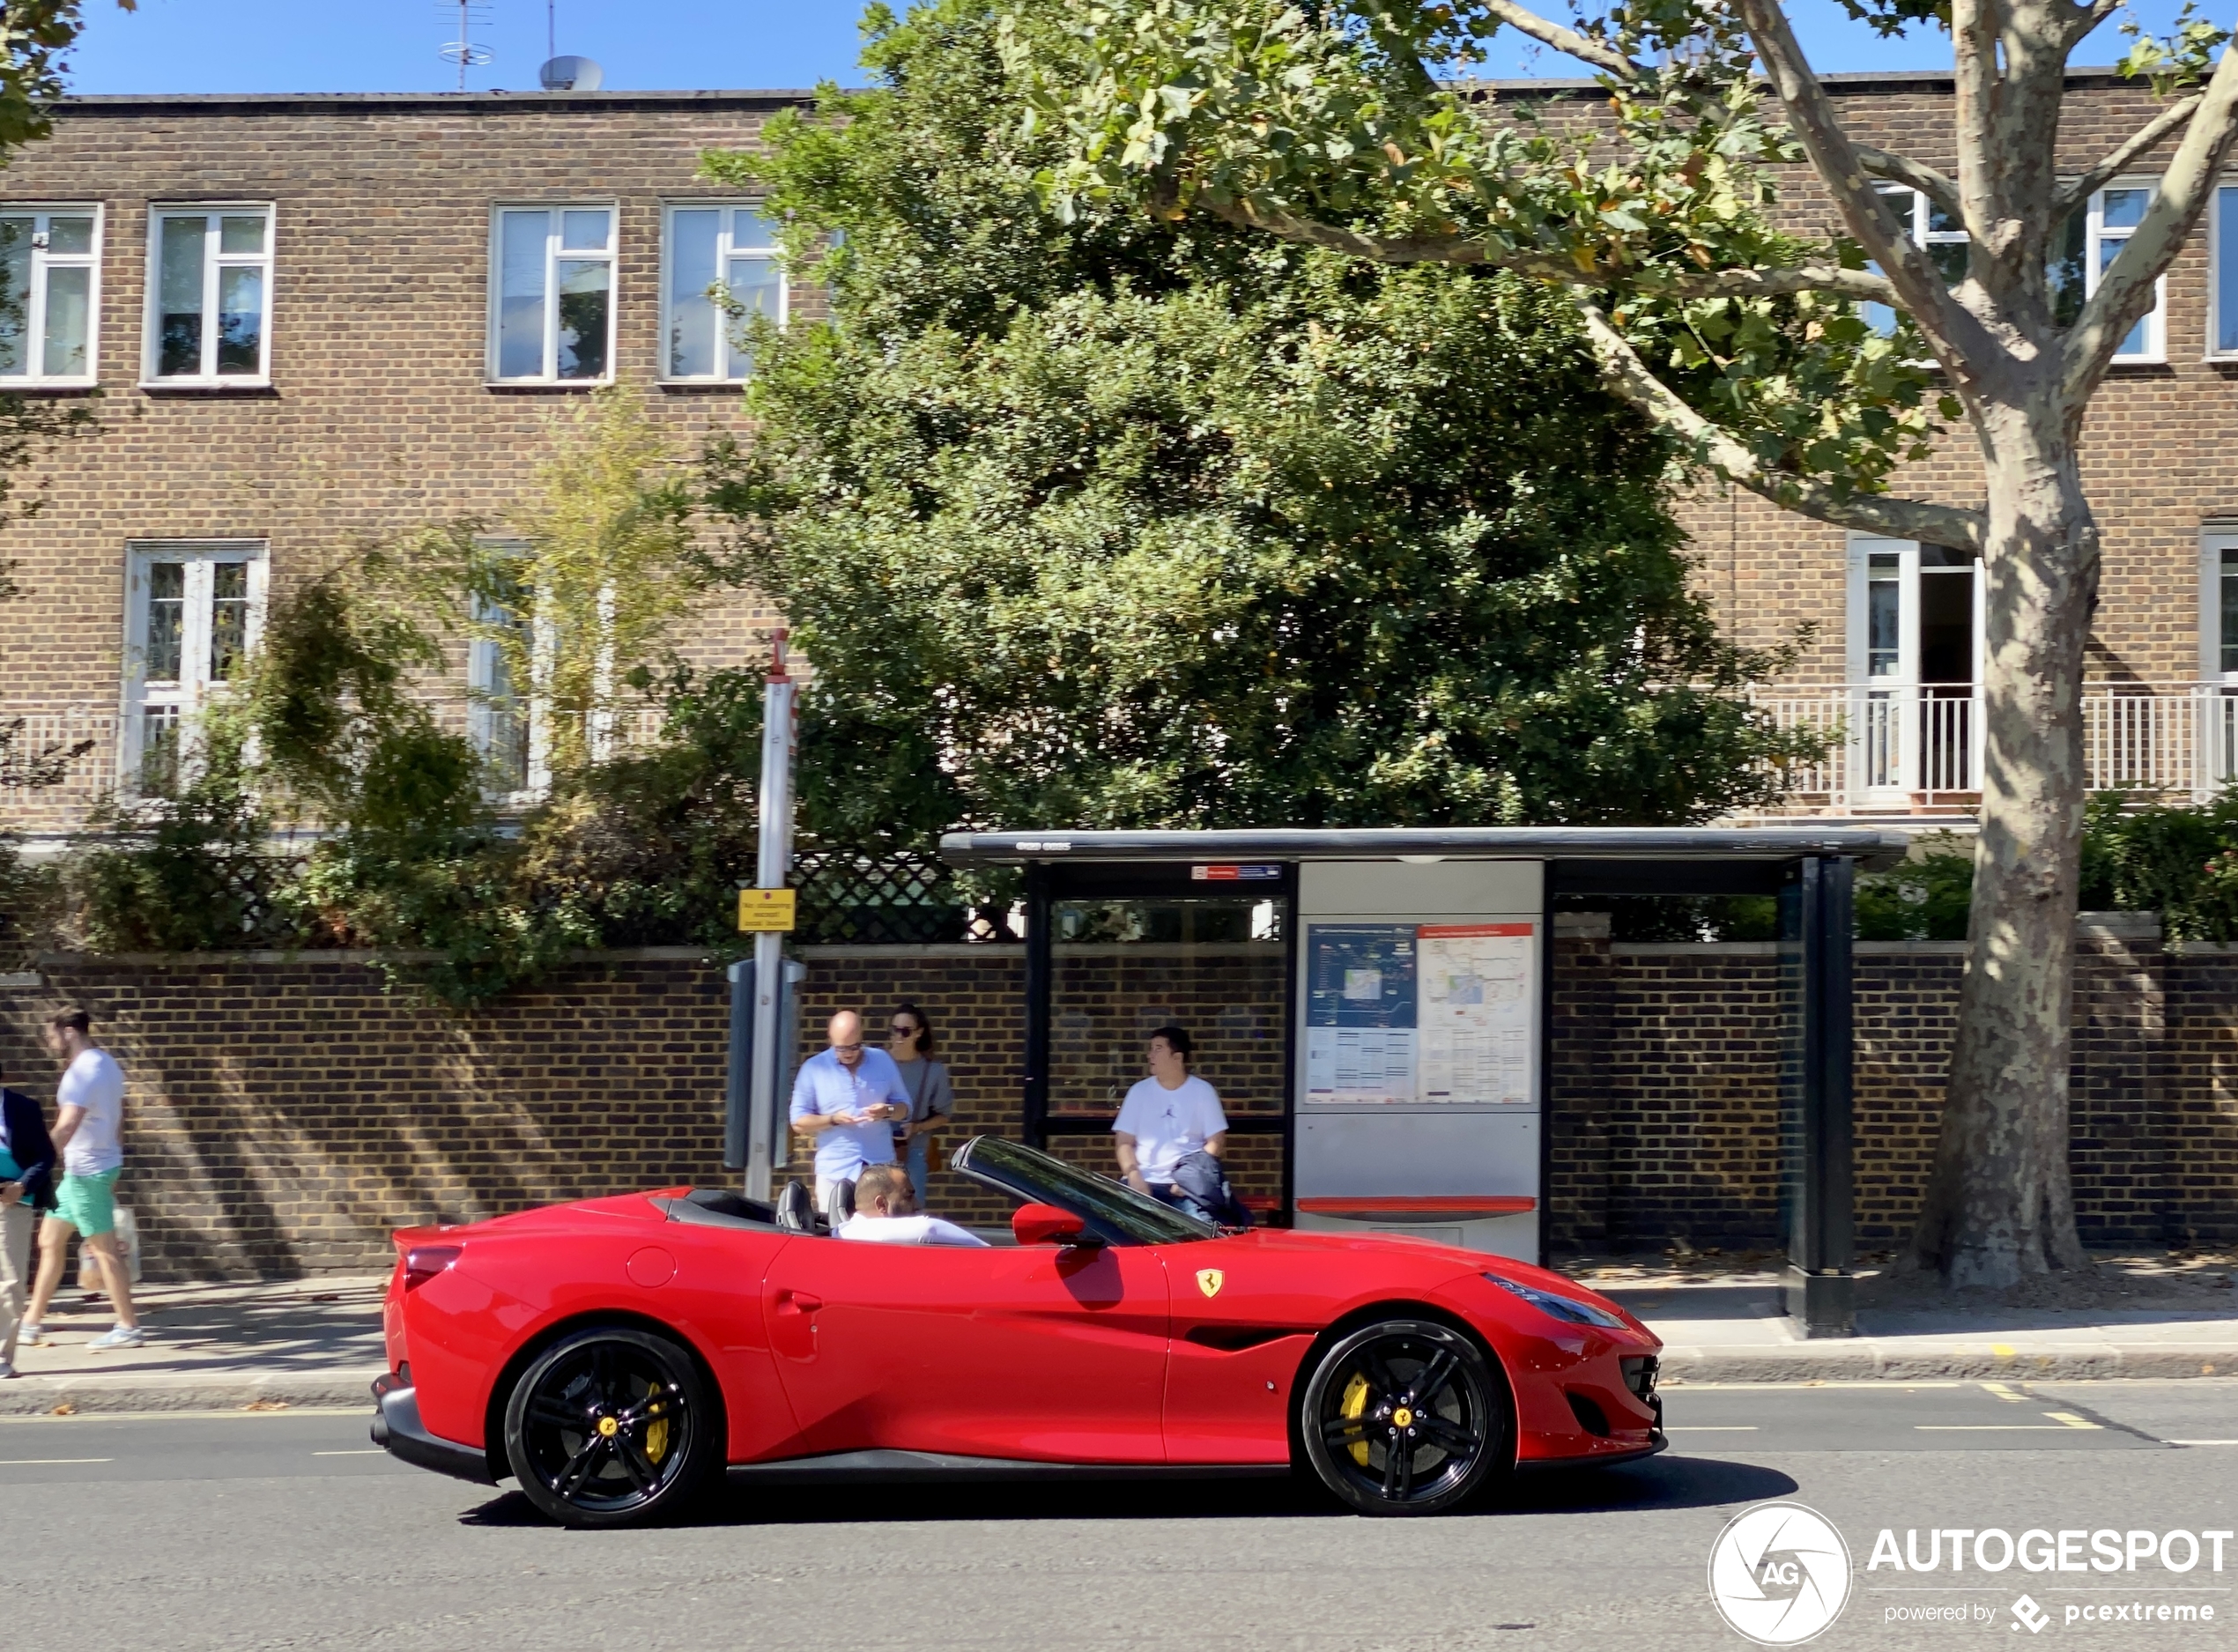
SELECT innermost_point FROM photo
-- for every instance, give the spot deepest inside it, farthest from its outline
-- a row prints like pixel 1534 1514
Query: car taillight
pixel 423 1263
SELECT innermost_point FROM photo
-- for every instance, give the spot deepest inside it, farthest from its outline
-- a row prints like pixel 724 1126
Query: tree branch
pixel 2084 20
pixel 1569 42
pixel 2126 292
pixel 1863 284
pixel 1955 334
pixel 2118 161
pixel 1903 169
pixel 1867 513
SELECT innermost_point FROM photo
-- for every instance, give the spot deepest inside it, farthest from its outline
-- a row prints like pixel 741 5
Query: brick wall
pixel 286 1114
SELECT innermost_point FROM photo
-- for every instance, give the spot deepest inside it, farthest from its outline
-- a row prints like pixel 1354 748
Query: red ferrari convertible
pixel 613 1355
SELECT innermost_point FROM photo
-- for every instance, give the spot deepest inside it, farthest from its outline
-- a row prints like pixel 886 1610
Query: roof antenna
pixel 550 29
pixel 466 51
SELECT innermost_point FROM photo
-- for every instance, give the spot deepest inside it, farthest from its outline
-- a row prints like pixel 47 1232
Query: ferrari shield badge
pixel 1208 1280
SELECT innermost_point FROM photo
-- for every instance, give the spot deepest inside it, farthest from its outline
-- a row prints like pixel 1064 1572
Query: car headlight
pixel 1567 1308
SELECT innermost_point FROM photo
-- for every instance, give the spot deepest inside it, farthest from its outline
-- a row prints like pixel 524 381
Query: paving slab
pixel 1735 1332
pixel 210 1347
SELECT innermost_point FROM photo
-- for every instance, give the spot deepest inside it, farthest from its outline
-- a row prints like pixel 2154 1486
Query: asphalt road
pixel 287 1530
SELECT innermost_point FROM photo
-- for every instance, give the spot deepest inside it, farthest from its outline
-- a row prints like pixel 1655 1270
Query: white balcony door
pixel 1915 647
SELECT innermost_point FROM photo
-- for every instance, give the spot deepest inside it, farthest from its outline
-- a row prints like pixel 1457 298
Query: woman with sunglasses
pixel 909 1041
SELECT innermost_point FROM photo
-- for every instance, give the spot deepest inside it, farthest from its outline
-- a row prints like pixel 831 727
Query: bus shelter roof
pixel 1786 841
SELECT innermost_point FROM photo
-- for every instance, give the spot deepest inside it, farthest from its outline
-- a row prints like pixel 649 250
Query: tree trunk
pixel 1999 1203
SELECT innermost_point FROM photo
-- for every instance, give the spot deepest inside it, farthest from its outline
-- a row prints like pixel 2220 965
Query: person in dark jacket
pixel 26 1185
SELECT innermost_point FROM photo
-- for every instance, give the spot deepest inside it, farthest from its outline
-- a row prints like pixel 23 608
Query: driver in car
pixel 883 1202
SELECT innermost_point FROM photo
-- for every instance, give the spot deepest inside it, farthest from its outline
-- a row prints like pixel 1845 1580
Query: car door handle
pixel 797 1303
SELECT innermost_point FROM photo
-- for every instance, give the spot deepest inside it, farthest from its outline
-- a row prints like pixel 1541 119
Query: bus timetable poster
pixel 1442 1013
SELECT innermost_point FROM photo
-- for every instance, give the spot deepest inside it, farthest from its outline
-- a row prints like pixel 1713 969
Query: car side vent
pixel 1640 1374
pixel 1590 1416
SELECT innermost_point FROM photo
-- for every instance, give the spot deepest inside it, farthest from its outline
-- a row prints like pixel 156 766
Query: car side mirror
pixel 1046 1225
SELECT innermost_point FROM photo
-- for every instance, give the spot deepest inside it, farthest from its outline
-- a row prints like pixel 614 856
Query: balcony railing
pixel 84 755
pixel 1916 747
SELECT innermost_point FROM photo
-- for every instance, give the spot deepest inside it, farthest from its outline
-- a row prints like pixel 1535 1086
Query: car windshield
pixel 1112 1209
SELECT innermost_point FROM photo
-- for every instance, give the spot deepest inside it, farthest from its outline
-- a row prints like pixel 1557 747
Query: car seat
pixel 843 1198
pixel 795 1209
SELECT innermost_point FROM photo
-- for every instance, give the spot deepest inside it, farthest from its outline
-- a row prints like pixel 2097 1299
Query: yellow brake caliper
pixel 657 1432
pixel 1355 1403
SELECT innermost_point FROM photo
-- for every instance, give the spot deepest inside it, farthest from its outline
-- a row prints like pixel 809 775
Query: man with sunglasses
pixel 848 1097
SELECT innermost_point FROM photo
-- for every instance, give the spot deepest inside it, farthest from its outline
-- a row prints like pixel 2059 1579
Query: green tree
pixel 1121 524
pixel 1345 126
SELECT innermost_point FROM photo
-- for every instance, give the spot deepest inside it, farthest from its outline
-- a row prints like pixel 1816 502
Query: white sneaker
pixel 122 1336
pixel 7 1368
pixel 30 1334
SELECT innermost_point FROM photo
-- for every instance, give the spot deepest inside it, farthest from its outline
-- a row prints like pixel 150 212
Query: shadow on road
pixel 1665 1482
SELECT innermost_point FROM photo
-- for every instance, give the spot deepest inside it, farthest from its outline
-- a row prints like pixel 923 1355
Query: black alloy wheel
pixel 611 1426
pixel 1405 1417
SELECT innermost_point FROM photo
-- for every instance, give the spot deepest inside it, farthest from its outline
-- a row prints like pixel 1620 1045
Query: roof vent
pixel 571 74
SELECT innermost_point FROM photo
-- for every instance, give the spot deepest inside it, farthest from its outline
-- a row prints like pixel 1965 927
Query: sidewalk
pixel 1732 1331
pixel 210 1347
pixel 315 1343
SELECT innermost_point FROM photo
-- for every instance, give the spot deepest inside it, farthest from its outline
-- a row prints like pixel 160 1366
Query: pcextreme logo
pixel 1779 1574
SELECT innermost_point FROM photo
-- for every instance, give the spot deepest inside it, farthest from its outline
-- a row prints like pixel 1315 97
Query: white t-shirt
pixel 1168 1125
pixel 96 1083
pixel 908 1230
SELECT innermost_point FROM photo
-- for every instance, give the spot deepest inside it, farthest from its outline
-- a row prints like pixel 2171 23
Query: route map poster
pixel 1477 1014
pixel 1359 1013
pixel 1440 1013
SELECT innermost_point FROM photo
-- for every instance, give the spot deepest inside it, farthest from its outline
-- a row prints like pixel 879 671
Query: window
pixel 49 282
pixel 194 612
pixel 1942 236
pixel 210 295
pixel 2218 603
pixel 1914 613
pixel 2114 216
pixel 2222 301
pixel 2090 240
pixel 720 266
pixel 551 295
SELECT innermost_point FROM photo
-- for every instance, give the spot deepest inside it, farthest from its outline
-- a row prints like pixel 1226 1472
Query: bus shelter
pixel 1376 1008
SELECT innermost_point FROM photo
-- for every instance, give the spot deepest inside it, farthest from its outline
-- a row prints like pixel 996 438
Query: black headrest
pixel 796 1210
pixel 843 1199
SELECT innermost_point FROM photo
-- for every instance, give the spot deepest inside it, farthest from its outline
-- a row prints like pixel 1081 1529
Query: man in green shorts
pixel 89 1124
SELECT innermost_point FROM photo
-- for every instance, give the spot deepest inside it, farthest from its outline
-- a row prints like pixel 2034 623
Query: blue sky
pixel 390 45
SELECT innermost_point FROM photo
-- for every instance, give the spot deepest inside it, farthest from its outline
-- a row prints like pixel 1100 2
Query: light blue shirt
pixel 824 1086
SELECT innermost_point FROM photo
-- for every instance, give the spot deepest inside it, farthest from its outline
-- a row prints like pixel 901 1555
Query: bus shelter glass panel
pixel 1215 966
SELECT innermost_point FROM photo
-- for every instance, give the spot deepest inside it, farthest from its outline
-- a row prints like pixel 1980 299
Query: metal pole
pixel 1038 984
pixel 772 870
pixel 738 1088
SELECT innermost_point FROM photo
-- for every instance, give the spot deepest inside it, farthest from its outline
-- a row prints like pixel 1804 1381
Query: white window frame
pixel 2215 269
pixel 1862 548
pixel 194 688
pixel 548 374
pixel 2155 320
pixel 727 356
pixel 1914 219
pixel 2214 539
pixel 212 262
pixel 34 376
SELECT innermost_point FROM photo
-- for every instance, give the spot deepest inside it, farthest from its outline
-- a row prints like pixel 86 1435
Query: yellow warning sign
pixel 764 909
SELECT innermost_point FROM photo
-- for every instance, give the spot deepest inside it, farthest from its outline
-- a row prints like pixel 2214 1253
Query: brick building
pixel 1892 644
pixel 316 321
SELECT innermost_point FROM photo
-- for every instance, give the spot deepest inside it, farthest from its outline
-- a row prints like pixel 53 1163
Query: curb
pixel 1833 1361
pixel 264 1390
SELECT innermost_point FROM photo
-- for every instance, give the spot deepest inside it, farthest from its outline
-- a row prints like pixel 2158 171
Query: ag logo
pixel 1208 1280
pixel 1780 1573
